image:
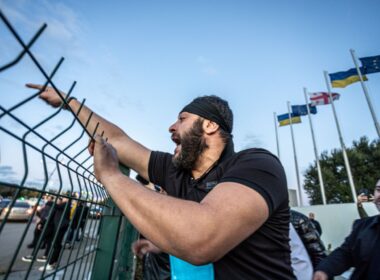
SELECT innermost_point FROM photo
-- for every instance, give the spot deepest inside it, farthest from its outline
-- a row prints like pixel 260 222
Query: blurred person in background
pixel 316 224
pixel 360 250
pixel 43 215
pixel 61 219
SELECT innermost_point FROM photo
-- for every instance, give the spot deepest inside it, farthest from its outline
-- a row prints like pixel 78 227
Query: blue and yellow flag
pixel 345 78
pixel 284 119
pixel 371 64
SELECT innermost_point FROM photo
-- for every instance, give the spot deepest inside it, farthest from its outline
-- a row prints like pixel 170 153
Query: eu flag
pixel 371 64
pixel 301 110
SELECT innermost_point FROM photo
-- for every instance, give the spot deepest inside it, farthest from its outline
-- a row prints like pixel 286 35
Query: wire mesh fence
pixel 51 205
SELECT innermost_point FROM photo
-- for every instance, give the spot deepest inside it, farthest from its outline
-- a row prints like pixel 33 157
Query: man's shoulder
pixel 161 154
pixel 158 158
pixel 257 153
pixel 364 222
pixel 257 158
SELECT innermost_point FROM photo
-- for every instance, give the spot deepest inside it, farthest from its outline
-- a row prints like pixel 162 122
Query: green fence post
pixel 126 264
pixel 108 239
pixel 114 258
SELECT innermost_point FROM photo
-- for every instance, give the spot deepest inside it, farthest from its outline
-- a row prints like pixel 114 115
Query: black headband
pixel 208 111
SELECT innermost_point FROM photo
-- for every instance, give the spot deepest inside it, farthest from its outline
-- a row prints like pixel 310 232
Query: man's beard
pixel 192 146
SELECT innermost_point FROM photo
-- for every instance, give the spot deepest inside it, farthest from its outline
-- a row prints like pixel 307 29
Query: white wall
pixel 336 219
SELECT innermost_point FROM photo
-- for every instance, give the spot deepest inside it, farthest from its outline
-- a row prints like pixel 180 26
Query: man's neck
pixel 207 159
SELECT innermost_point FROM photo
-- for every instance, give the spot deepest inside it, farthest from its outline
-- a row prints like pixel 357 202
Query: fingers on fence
pixel 74 192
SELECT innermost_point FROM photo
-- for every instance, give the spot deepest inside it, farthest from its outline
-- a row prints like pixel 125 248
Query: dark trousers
pixel 73 231
pixel 44 238
pixel 57 246
pixel 36 236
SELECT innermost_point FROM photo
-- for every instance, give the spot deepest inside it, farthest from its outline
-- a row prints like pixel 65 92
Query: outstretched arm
pixel 130 152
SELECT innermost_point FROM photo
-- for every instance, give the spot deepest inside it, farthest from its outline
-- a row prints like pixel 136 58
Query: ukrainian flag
pixel 345 78
pixel 284 119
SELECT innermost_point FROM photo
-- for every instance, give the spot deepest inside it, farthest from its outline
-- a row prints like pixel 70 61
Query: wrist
pixel 66 104
pixel 109 175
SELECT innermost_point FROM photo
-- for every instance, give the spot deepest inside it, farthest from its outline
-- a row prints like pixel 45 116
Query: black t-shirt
pixel 266 253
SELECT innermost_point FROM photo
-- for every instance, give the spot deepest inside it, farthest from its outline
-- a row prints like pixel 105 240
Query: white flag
pixel 322 98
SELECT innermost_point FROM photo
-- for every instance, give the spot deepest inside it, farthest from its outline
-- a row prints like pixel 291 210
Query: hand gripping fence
pixel 79 203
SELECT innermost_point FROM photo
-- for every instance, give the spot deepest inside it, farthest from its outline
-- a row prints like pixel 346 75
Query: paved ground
pixel 10 240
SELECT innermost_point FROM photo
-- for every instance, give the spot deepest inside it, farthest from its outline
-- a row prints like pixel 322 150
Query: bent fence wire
pixel 42 159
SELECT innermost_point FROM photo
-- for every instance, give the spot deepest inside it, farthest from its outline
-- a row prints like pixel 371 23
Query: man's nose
pixel 172 128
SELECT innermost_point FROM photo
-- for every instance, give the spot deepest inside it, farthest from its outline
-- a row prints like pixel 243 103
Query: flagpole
pixel 315 149
pixel 295 156
pixel 346 162
pixel 275 127
pixel 377 126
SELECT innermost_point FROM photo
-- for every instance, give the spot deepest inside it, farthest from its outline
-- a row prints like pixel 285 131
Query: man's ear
pixel 210 127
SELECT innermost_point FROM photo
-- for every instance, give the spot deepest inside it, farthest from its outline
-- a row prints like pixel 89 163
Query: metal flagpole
pixel 377 126
pixel 295 156
pixel 346 162
pixel 275 127
pixel 315 149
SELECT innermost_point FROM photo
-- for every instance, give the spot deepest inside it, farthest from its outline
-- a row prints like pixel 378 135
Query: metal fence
pixel 43 156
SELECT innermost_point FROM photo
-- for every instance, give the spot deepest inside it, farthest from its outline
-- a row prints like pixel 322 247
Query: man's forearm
pixel 130 153
pixel 361 211
pixel 111 131
pixel 172 224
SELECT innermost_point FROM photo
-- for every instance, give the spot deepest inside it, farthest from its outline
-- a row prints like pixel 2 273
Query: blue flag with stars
pixel 371 64
pixel 301 110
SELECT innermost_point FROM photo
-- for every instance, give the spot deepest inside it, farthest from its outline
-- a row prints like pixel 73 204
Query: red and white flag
pixel 322 98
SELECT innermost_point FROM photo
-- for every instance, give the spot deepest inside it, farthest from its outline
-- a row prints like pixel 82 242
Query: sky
pixel 138 63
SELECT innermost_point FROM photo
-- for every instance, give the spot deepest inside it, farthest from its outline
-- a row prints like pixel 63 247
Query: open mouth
pixel 176 139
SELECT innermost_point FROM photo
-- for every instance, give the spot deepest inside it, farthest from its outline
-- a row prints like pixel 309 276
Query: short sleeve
pixel 263 172
pixel 159 165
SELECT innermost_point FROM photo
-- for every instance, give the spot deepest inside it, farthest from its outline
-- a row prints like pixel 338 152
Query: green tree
pixel 364 157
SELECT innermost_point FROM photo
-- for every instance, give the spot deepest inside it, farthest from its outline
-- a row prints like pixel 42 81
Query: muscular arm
pixel 130 152
pixel 196 232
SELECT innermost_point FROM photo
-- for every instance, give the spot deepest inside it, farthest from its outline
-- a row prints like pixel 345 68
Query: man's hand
pixel 49 95
pixel 362 198
pixel 320 275
pixel 106 162
pixel 143 246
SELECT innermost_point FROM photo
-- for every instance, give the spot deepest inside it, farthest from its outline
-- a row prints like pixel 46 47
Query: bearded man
pixel 225 208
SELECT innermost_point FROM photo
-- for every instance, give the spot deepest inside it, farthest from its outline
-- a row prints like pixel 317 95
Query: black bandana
pixel 208 111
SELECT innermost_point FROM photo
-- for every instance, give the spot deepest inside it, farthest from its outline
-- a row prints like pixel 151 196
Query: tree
pixel 364 158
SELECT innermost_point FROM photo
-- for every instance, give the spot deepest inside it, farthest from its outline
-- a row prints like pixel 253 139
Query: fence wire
pixel 42 160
